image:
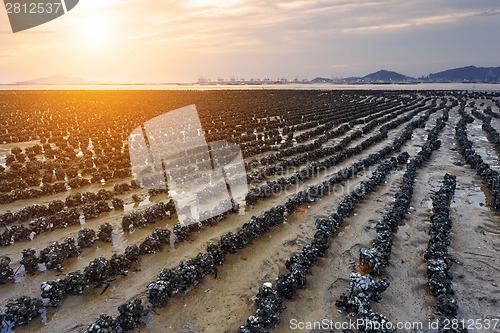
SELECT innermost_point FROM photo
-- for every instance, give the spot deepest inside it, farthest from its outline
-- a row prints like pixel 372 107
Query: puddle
pixel 487 150
pixel 477 197
pixel 424 289
pixel 427 204
pixel 244 209
pixel 129 207
pixel 19 274
pixel 47 315
pixel 401 232
pixel 145 202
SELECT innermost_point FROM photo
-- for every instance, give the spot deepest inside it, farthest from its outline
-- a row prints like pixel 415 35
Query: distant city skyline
pixel 168 41
pixel 463 74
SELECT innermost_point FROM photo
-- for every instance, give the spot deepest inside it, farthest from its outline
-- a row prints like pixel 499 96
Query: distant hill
pixel 56 79
pixel 469 73
pixel 321 80
pixel 382 76
pixel 387 76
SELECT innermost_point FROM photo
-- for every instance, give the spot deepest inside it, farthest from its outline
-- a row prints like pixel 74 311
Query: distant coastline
pixel 469 74
pixel 470 86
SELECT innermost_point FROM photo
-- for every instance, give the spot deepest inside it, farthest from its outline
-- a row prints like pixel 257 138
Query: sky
pixel 146 41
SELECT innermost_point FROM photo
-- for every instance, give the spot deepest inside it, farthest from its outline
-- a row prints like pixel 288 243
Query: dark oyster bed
pixel 349 213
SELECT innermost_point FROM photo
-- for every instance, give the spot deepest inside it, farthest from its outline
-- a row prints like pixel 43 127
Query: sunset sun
pixel 95 30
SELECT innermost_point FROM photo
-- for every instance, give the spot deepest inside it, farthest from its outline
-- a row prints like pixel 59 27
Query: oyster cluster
pixel 130 314
pixel 494 137
pixel 19 233
pixel 269 303
pixel 75 283
pixel 20 312
pixel 362 290
pixel 492 132
pixel 208 219
pixel 117 203
pixel 85 237
pixel 62 219
pixel 182 231
pixel 150 215
pixel 378 256
pixel 155 242
pixel 73 200
pixel 269 169
pixel 491 113
pixel 98 270
pixel 437 257
pixel 104 324
pixel 105 233
pixel 45 215
pixel 13 234
pixel 92 210
pixel 121 262
pixel 6 272
pixel 55 254
pixel 78 182
pixel 483 169
pixel 128 319
pixel 92 197
pixel 152 192
pixel 122 188
pixel 298 265
pixel 54 291
pixel 170 282
pixel 29 261
pixel 30 212
pixel 257 193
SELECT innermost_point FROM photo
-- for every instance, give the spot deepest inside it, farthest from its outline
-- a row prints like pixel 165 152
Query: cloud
pixel 294 34
pixel 422 21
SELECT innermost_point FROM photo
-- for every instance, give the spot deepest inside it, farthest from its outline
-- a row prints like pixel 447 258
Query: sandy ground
pixel 222 304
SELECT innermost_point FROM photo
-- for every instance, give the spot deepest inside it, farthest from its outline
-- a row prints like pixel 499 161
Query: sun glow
pixel 95 30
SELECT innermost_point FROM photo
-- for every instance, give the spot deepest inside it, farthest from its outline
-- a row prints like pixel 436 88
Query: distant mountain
pixel 321 80
pixel 381 76
pixel 387 76
pixel 56 79
pixel 464 74
pixel 469 73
